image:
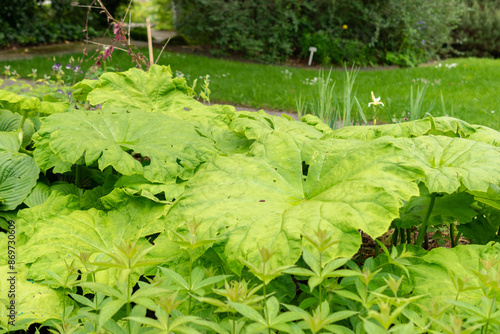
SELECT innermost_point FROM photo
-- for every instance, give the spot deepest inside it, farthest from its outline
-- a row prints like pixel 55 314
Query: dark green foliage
pixel 361 31
pixel 139 34
pixel 28 22
pixel 479 31
pixel 258 29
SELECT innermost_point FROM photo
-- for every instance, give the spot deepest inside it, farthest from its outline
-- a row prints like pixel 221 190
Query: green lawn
pixel 470 89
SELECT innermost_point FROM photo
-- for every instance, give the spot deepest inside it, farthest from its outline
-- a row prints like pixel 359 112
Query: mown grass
pixel 470 89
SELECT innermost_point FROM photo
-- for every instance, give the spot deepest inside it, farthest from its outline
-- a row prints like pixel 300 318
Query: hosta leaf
pixel 42 191
pixel 18 175
pixel 452 162
pixel 267 201
pixel 137 90
pixel 173 147
pixel 10 141
pixel 10 122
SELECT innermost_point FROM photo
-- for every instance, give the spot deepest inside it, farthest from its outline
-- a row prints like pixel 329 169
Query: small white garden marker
pixel 312 49
pixel 150 42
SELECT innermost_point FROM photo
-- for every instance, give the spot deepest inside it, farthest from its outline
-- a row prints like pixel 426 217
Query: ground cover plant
pixel 462 88
pixel 143 210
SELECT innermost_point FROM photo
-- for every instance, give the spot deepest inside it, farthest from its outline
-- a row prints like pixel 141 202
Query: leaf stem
pixel 25 114
pixel 189 278
pixel 77 176
pixel 423 228
pixel 128 300
pixel 25 151
pixel 395 235
pixel 452 235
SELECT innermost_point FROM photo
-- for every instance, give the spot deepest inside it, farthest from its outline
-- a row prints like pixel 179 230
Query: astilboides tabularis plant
pixel 152 167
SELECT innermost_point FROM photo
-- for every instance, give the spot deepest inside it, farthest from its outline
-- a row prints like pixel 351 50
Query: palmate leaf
pixel 157 91
pixel 399 130
pixel 269 200
pixel 59 234
pixel 448 208
pixel 33 300
pixel 32 106
pixel 173 146
pixel 444 266
pixel 259 125
pixel 486 135
pixel 453 162
pixel 137 90
pixel 439 126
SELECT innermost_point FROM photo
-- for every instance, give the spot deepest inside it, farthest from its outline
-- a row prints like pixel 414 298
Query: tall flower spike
pixel 376 101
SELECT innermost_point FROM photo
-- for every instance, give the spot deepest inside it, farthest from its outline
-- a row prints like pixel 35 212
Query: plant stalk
pixel 452 235
pixel 423 229
pixel 25 115
pixel 395 235
pixel 403 237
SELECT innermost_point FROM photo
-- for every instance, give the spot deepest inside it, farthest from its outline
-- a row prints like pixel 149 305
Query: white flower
pixel 376 101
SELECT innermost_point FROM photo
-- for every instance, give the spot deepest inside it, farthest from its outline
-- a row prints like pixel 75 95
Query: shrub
pixel 256 28
pixel 396 32
pixel 479 31
pixel 27 22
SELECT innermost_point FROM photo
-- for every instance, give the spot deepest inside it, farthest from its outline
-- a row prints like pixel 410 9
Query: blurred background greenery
pixel 364 32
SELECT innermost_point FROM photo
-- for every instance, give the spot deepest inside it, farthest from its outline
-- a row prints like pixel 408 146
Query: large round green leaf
pixel 287 190
pixel 173 147
pixel 452 162
pixel 137 90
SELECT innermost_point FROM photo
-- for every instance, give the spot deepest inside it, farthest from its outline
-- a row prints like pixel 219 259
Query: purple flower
pixel 68 66
pixel 118 32
pixel 422 41
pixel 59 91
pixel 107 53
pixel 76 69
pixel 418 28
pixel 56 67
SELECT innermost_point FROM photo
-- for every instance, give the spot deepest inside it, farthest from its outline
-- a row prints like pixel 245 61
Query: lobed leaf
pixel 267 201
pixel 173 147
